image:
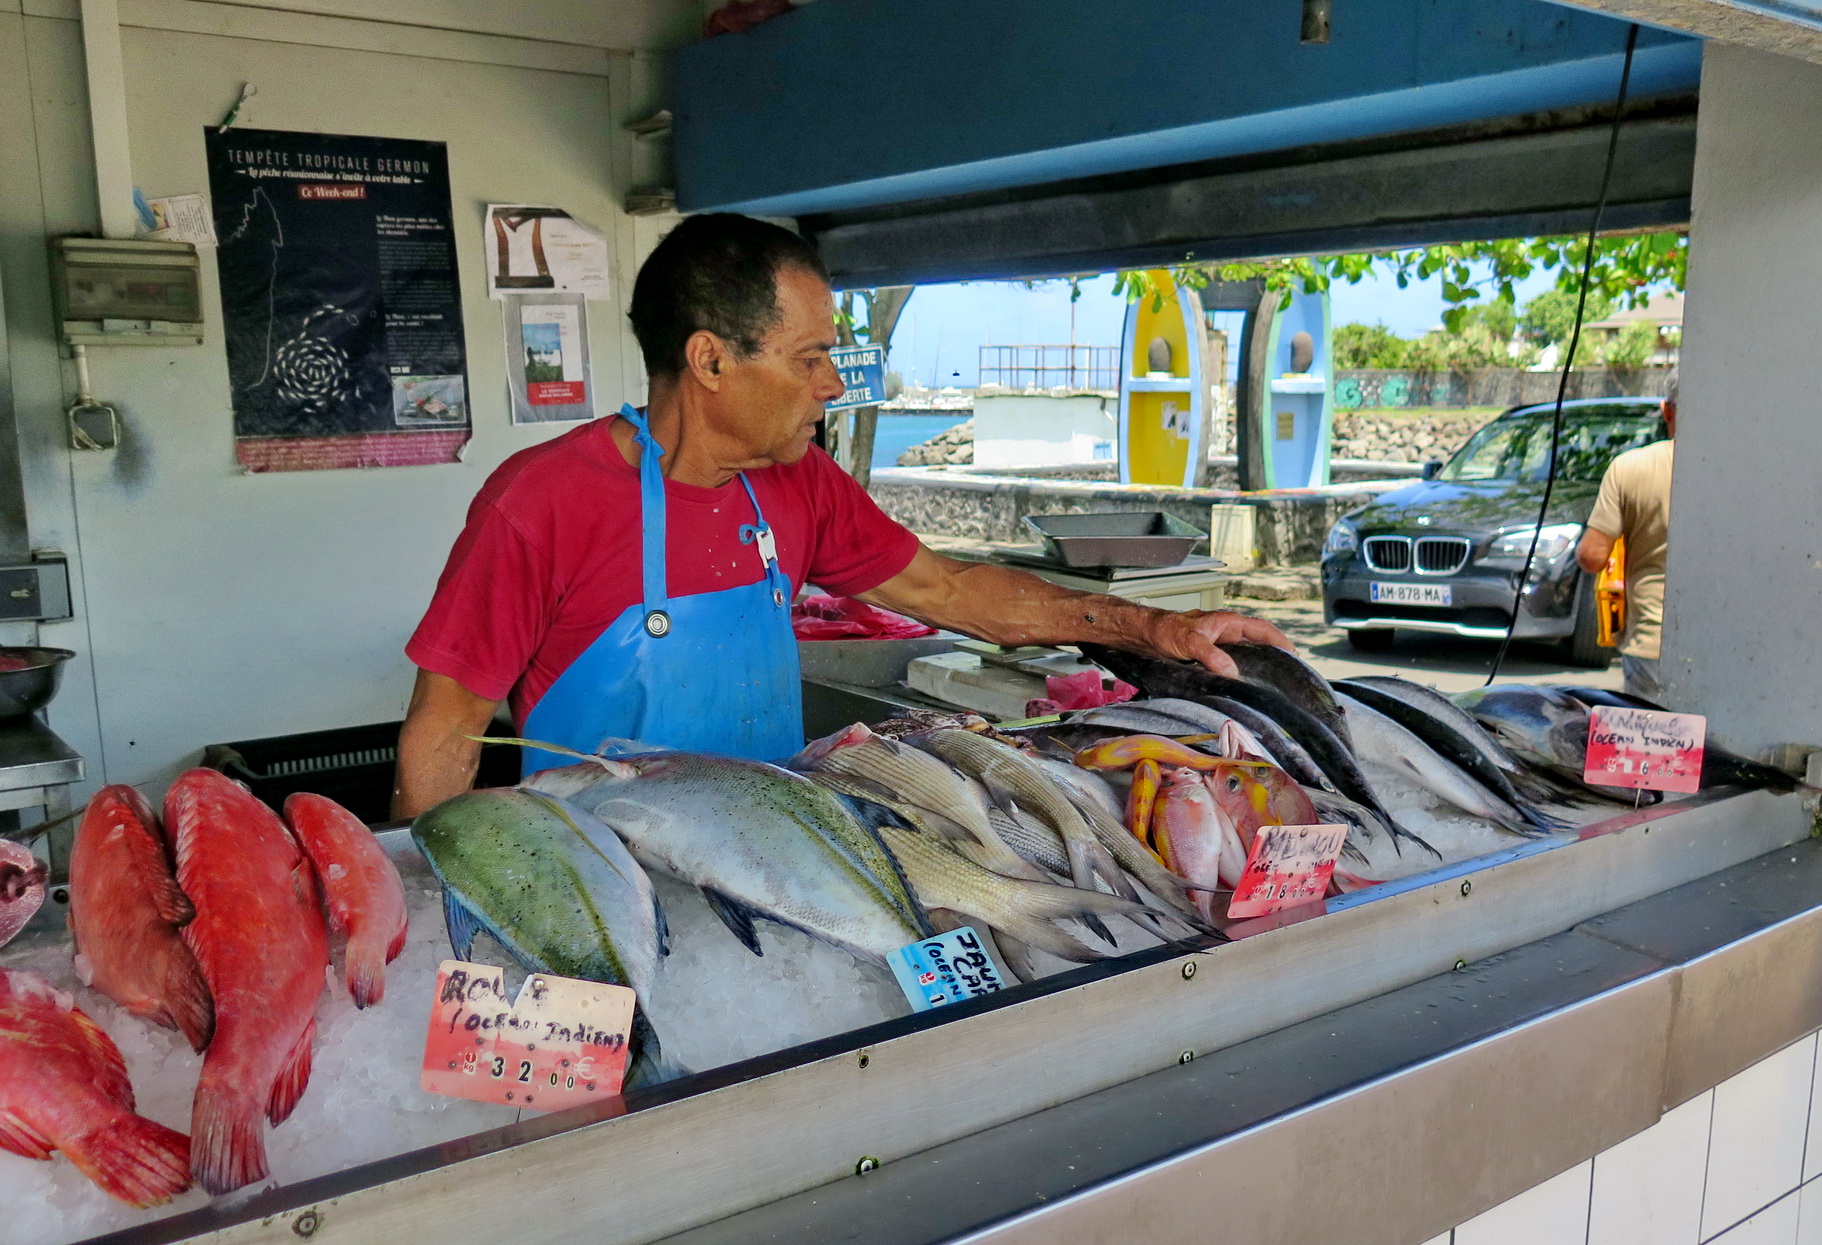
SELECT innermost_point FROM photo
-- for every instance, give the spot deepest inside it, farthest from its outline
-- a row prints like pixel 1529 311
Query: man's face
pixel 772 402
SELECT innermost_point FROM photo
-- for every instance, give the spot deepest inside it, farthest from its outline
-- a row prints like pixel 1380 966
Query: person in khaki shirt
pixel 1634 503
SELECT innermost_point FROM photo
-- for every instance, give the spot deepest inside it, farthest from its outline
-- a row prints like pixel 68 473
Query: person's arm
pixel 1013 607
pixel 437 759
pixel 1595 549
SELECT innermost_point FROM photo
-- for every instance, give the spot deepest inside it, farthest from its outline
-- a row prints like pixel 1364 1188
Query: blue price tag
pixel 863 371
pixel 949 968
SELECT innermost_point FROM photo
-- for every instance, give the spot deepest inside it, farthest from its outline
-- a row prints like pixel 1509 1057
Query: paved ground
pixel 1448 663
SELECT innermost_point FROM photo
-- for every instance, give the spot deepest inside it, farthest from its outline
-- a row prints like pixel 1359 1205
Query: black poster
pixel 340 301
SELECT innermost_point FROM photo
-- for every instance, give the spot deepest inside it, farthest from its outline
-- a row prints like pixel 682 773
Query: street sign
pixel 863 371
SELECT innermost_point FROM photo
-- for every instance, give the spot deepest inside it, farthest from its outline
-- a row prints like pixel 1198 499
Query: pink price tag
pixel 560 1043
pixel 1288 866
pixel 1644 748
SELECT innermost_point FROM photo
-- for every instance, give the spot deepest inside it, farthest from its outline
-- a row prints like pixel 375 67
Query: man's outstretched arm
pixel 437 759
pixel 1013 607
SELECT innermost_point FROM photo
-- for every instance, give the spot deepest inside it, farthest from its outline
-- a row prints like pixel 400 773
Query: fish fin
pixel 612 767
pixel 18 1137
pixel 227 1139
pixel 137 1160
pixel 463 922
pixel 1399 832
pixel 663 926
pixel 108 1068
pixel 292 1077
pixel 738 920
pixel 1096 926
pixel 167 897
pixel 187 1005
pixel 364 969
pixel 1016 955
pixel 651 1066
pixel 1041 934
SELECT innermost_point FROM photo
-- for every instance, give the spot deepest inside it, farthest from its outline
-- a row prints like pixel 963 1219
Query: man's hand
pixel 1596 547
pixel 437 759
pixel 1197 635
pixel 1013 607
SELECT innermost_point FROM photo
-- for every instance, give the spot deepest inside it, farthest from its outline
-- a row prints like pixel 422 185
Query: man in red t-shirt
pixel 633 577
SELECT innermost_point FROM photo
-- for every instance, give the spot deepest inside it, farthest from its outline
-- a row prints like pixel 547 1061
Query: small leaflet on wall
pixel 547 358
pixel 544 250
pixel 340 301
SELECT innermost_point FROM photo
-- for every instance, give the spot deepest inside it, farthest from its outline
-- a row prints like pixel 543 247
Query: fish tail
pixel 292 1078
pixel 137 1160
pixel 227 1140
pixel 364 968
pixel 1041 934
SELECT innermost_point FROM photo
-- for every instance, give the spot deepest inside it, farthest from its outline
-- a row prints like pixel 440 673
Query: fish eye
pixel 1233 782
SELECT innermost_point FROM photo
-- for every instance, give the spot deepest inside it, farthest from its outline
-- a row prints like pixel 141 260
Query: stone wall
pixel 1290 526
pixel 1402 438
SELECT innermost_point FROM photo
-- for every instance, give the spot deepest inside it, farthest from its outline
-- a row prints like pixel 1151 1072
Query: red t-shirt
pixel 550 556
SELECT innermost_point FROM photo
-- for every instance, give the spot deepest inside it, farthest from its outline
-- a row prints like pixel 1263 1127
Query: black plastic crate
pixel 352 765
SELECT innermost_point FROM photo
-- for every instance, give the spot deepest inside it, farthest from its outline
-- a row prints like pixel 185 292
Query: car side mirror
pixel 1432 469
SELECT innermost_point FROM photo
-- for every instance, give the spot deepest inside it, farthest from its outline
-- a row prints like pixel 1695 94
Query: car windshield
pixel 1517 450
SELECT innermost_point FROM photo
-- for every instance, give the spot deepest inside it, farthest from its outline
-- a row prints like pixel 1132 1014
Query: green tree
pixel 1369 345
pixel 1631 348
pixel 1626 269
pixel 1548 318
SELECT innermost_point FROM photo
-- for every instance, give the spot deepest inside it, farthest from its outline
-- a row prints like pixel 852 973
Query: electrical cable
pixel 1575 337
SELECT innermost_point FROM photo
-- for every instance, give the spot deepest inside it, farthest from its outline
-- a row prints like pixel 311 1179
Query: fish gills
pixel 263 947
pixel 63 1086
pixel 126 911
pixel 361 888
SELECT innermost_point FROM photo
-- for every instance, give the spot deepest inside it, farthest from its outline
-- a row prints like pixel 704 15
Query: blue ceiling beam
pixel 853 103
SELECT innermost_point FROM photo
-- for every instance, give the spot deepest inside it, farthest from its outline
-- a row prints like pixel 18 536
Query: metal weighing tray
pixel 1479 1114
pixel 1147 538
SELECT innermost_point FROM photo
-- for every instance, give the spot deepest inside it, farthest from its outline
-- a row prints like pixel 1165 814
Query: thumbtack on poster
pixel 1644 748
pixel 544 250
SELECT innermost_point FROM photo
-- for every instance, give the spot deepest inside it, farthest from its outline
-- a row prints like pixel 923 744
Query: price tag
pixel 560 1043
pixel 1289 865
pixel 1644 748
pixel 949 968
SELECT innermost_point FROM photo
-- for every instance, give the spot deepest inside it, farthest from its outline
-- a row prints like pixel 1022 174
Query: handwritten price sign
pixel 1644 748
pixel 949 968
pixel 560 1043
pixel 1289 865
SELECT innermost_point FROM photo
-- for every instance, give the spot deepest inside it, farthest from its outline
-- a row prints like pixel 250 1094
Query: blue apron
pixel 715 672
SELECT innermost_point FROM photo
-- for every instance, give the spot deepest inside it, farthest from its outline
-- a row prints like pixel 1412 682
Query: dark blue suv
pixel 1444 554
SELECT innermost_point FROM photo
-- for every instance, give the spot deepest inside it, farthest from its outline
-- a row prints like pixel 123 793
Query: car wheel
pixel 1582 648
pixel 1372 639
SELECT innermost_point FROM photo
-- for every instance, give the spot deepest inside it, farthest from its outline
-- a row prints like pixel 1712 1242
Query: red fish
pixel 260 939
pixel 1254 794
pixel 365 897
pixel 1195 838
pixel 63 1086
pixel 21 888
pixel 126 911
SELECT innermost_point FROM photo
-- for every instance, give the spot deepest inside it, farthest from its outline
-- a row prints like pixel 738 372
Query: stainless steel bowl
pixel 24 692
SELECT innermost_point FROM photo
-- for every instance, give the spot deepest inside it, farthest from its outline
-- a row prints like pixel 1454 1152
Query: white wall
pixel 214 605
pixel 1033 430
pixel 1738 1165
pixel 1744 610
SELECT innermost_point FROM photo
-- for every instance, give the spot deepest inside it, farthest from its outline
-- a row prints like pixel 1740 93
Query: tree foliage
pixel 1626 269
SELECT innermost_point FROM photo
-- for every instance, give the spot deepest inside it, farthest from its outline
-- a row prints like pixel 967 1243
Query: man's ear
pixel 706 357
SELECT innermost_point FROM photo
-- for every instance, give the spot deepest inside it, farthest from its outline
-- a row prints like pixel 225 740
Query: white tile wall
pixel 1812 1150
pixel 1648 1189
pixel 1775 1225
pixel 1553 1213
pixel 1755 1144
pixel 1447 1238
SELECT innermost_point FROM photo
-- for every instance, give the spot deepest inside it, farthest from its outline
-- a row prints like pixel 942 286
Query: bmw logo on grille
pixel 1423 520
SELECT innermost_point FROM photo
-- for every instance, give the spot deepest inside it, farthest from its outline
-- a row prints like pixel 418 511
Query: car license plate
pixel 1409 594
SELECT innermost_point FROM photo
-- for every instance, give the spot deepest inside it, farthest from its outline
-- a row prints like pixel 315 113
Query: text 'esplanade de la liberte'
pixel 320 163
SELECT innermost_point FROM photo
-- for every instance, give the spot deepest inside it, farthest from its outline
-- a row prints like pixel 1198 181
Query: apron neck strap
pixel 651 519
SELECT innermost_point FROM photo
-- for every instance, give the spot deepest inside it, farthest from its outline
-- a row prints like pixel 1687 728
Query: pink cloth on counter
pixel 1078 691
pixel 847 618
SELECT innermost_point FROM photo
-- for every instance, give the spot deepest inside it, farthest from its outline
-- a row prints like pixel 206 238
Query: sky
pixel 939 335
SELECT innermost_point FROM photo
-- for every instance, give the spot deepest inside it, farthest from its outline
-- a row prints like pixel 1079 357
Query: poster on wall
pixel 547 358
pixel 532 249
pixel 340 302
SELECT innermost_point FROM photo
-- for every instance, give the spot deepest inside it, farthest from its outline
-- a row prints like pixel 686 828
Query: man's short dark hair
pixel 717 272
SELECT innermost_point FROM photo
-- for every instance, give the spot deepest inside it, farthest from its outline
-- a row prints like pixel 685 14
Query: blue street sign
pixel 863 371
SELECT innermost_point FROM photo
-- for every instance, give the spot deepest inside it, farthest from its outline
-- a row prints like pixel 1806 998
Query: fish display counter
pixel 780 1072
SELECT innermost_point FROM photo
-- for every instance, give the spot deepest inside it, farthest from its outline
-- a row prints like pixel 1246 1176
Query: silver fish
pixel 757 840
pixel 1384 742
